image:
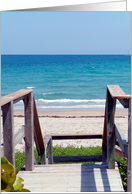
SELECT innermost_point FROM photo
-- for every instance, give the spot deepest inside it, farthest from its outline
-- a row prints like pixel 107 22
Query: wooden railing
pixel 112 134
pixel 31 131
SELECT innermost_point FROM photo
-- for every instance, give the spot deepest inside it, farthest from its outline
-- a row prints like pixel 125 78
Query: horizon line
pixel 66 54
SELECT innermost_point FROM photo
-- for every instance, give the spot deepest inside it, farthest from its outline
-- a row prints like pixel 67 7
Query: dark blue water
pixel 65 80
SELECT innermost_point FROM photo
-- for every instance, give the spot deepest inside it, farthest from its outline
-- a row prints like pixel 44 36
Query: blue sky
pixel 65 33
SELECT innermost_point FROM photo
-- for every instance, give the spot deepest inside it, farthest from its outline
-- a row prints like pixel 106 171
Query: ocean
pixel 65 82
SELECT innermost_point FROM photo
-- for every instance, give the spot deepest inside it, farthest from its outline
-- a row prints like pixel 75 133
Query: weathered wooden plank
pixel 46 139
pixel 124 102
pixel 121 140
pixel 29 132
pixel 35 160
pixel 77 158
pixel 43 156
pixel 111 104
pixel 84 182
pixel 19 134
pixel 76 136
pixel 96 189
pixel 38 136
pixel 129 150
pixel 45 189
pixel 104 153
pixel 37 143
pixel 117 92
pixel 98 173
pixel 8 132
pixel 104 140
pixel 68 169
pixel 119 153
pixel 122 96
pixel 14 96
pixel 73 177
pixel 71 170
pixel 37 127
pixel 50 152
pixel 99 165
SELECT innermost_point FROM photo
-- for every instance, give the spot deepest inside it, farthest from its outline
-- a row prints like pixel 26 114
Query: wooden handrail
pixel 111 130
pixel 32 127
pixel 117 92
pixel 121 139
pixel 15 97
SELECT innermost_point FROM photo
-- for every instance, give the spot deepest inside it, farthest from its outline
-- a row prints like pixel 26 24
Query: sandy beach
pixel 73 122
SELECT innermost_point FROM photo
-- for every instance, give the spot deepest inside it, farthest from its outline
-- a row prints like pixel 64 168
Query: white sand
pixel 92 123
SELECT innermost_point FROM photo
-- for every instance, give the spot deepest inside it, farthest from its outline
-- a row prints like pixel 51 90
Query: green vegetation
pixel 72 151
pixel 123 171
pixel 20 161
pixel 9 181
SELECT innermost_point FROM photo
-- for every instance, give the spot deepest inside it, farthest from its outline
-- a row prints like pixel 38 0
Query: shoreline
pixel 75 114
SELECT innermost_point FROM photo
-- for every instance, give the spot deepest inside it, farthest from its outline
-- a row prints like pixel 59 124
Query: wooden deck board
pixel 72 178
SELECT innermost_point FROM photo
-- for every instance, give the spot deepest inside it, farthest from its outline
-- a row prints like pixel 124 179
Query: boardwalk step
pixel 72 178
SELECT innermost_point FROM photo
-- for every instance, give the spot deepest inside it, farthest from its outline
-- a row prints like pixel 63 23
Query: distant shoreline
pixel 75 114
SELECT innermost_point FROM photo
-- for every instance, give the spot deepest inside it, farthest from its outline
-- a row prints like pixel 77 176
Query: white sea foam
pixel 72 103
pixel 71 100
pixel 30 87
pixel 68 103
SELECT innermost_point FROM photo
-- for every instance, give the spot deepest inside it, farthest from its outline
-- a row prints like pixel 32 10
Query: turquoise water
pixel 65 81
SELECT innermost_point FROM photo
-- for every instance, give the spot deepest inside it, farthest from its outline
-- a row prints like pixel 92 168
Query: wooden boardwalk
pixel 92 177
pixel 86 177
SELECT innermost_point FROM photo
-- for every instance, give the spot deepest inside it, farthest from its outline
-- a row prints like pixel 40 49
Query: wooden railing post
pixel 29 132
pixel 8 132
pixel 129 150
pixel 111 103
pixel 50 151
pixel 38 136
pixel 104 140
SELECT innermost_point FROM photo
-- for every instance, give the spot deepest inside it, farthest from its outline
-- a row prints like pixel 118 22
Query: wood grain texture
pixel 29 132
pixel 38 136
pixel 117 92
pixel 129 150
pixel 86 177
pixel 38 128
pixel 8 132
pixel 46 139
pixel 104 140
pixel 50 152
pixel 35 160
pixel 124 102
pixel 118 152
pixel 18 135
pixel 110 131
pixel 15 97
pixel 121 140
